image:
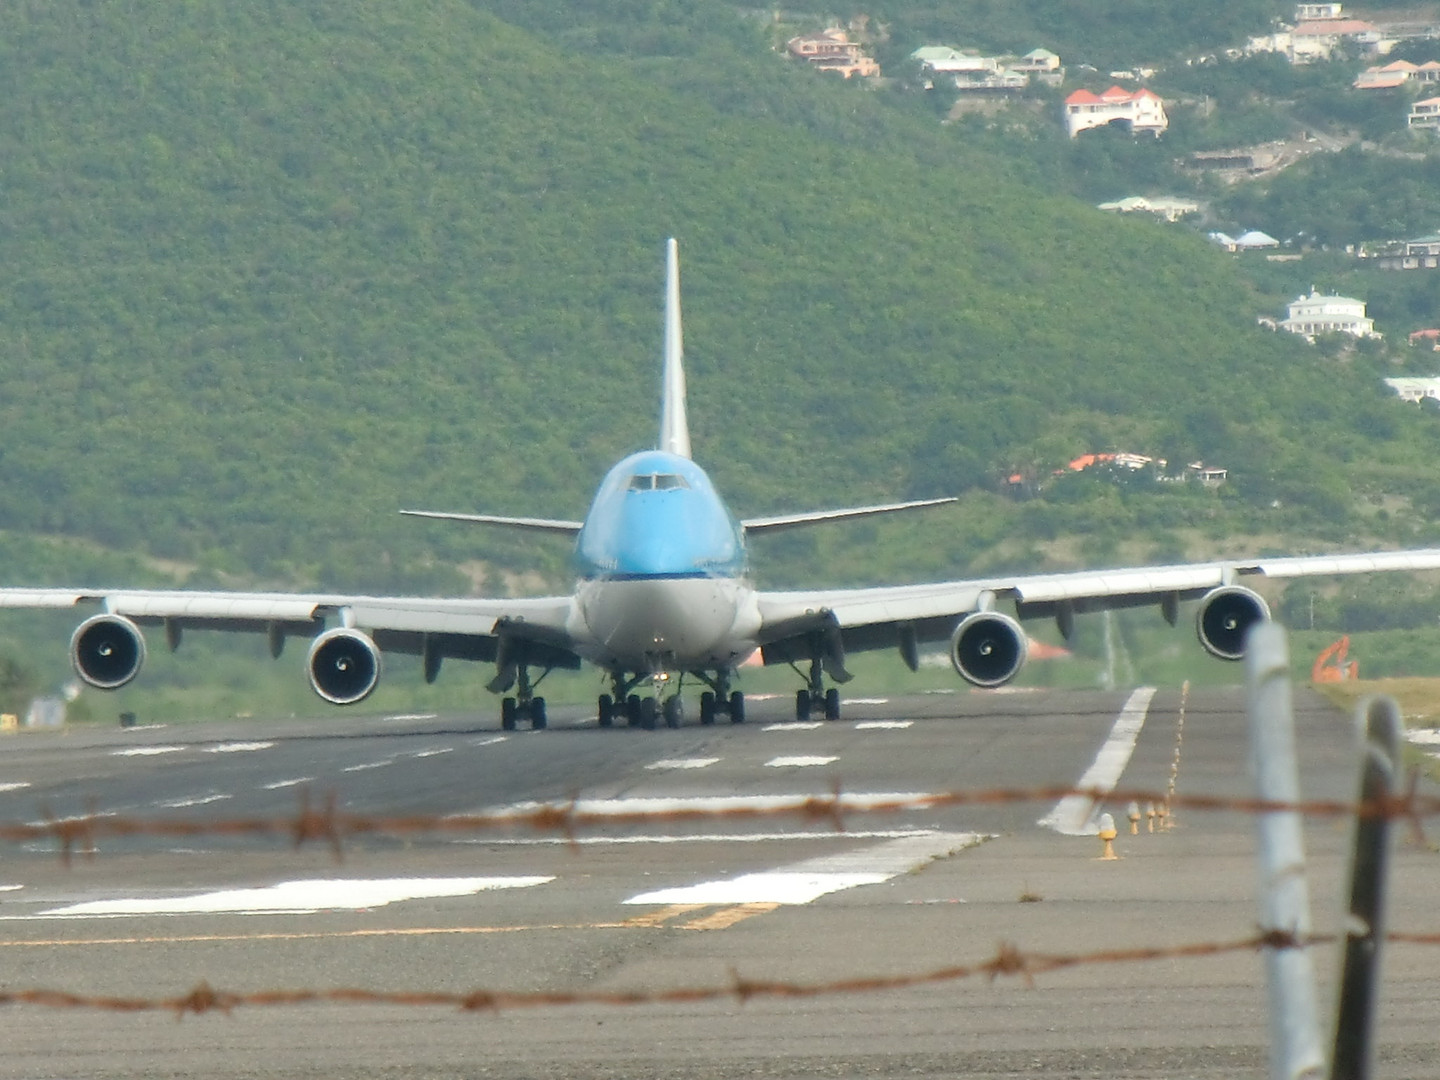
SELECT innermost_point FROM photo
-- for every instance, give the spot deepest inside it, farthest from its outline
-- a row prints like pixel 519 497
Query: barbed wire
pixel 1009 961
pixel 324 822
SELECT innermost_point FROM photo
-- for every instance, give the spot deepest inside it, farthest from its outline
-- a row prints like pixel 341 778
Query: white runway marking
pixel 802 882
pixel 146 751
pixel 867 701
pixel 794 725
pixel 883 725
pixel 11 888
pixel 433 753
pixel 490 741
pixel 278 784
pixel 1075 815
pixel 294 897
pixel 14 785
pixel 683 763
pixel 413 716
pixel 1423 736
pixel 369 765
pixel 918 800
pixel 699 838
pixel 799 761
pixel 198 800
pixel 238 747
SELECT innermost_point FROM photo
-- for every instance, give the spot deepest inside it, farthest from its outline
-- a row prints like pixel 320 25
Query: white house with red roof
pixel 1139 110
pixel 1425 113
pixel 1397 74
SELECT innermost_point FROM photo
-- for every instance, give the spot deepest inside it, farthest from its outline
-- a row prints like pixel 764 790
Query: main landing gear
pixel 649 712
pixel 525 705
pixel 815 698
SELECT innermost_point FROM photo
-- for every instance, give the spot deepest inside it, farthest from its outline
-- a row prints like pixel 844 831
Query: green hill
pixel 273 271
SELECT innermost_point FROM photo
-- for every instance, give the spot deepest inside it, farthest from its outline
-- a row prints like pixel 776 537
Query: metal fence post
pixel 1295 1048
pixel 1365 927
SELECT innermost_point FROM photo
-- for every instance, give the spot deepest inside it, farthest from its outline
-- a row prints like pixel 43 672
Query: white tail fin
pixel 674 427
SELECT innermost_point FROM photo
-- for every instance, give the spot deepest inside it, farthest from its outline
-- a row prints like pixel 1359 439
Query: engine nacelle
pixel 1225 616
pixel 988 648
pixel 107 651
pixel 343 665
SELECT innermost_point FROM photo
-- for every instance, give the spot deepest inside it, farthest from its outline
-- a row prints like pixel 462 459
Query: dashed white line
pixel 278 784
pixel 146 751
pixel 368 765
pixel 14 785
pixel 698 838
pixel 799 761
pixel 883 725
pixel 490 741
pixel 917 800
pixel 197 800
pixel 413 716
pixel 867 701
pixel 238 747
pixel 433 753
pixel 683 763
pixel 794 725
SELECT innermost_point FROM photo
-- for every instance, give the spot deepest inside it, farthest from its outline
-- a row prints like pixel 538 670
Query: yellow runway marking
pixel 649 920
pixel 728 916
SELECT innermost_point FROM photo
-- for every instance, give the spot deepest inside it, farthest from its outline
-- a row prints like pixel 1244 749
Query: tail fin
pixel 674 428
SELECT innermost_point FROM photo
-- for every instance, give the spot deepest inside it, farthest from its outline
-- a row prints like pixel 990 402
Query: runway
pixel 674 903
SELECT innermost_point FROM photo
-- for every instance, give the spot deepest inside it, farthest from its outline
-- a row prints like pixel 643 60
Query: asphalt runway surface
pixel 643 908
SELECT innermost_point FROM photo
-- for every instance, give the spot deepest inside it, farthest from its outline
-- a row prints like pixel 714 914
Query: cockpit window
pixel 657 482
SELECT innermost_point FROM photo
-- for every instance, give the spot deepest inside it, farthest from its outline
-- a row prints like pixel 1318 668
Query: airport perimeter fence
pixel 1284 932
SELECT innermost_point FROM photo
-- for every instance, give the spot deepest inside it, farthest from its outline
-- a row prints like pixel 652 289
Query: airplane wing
pixel 755 525
pixel 469 629
pixel 827 624
pixel 548 525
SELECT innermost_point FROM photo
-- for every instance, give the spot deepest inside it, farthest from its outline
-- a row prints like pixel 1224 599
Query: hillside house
pixel 1328 314
pixel 1420 254
pixel 1167 206
pixel 1396 74
pixel 1425 114
pixel 971 72
pixel 1140 110
pixel 1312 12
pixel 1317 39
pixel 832 50
pixel 1430 337
pixel 1416 388
pixel 1253 240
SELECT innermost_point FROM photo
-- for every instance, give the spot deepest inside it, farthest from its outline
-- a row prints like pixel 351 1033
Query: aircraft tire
pixel 707 708
pixel 832 704
pixel 605 710
pixel 508 713
pixel 802 705
pixel 538 719
pixel 737 708
pixel 647 713
pixel 633 712
pixel 673 710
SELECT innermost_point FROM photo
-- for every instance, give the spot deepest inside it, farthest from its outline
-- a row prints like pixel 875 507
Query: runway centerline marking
pixel 799 761
pixel 1075 815
pixel 278 784
pixel 14 785
pixel 682 763
pixel 147 751
pixel 238 747
pixel 795 725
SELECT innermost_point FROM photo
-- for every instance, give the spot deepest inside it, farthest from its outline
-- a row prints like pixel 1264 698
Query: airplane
pixel 663 593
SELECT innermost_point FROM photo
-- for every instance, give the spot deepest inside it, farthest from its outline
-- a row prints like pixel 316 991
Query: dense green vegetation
pixel 274 271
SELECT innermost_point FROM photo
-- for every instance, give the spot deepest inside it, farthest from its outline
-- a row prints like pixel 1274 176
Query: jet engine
pixel 107 651
pixel 343 665
pixel 1224 617
pixel 988 648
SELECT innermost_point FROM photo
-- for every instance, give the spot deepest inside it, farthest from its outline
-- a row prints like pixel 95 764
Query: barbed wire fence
pixel 319 820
